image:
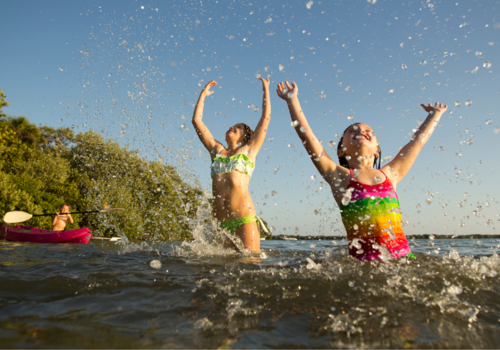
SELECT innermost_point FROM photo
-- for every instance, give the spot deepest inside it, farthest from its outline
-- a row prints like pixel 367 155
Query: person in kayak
pixel 231 170
pixel 62 218
pixel 367 197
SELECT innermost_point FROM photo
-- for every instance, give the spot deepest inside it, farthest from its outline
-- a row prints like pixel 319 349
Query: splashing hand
pixel 286 92
pixel 206 90
pixel 437 108
pixel 265 84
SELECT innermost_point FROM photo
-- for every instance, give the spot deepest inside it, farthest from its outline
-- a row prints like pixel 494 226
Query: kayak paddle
pixel 21 216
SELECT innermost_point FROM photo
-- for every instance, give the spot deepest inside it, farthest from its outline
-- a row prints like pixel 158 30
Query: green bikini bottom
pixel 233 225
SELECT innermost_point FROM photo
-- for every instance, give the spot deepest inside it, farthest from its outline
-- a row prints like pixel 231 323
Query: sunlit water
pixel 297 294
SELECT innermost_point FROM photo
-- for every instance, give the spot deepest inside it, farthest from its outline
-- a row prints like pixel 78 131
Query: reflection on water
pixel 297 294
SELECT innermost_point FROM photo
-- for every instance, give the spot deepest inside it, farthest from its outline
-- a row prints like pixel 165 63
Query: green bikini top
pixel 237 162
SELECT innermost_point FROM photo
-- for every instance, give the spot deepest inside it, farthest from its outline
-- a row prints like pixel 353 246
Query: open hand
pixel 437 108
pixel 206 90
pixel 286 92
pixel 265 84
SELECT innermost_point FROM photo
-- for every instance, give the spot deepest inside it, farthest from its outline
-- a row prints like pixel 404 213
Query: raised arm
pixel 259 134
pixel 402 163
pixel 321 160
pixel 201 129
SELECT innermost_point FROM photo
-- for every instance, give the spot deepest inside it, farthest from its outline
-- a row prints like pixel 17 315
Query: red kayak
pixel 22 233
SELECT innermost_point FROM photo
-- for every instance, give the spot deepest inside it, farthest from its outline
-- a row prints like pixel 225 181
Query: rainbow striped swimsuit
pixel 373 223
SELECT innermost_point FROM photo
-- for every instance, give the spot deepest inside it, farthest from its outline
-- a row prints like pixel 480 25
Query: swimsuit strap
pixel 350 170
pixel 382 173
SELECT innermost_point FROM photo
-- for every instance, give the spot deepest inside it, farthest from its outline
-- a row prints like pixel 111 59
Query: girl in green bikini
pixel 232 168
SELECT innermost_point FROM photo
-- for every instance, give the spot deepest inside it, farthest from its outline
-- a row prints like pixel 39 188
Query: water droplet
pixel 468 103
pixel 348 157
pixel 274 193
pixel 313 177
pixel 487 64
pixel 302 129
pixel 61 69
pixel 281 67
pixel 155 264
pixel 457 103
pixel 355 227
pixel 295 123
pixel 331 144
pixel 290 145
pixel 431 244
pixel 403 65
pixel 390 91
pixel 431 237
pixel 290 94
pixel 350 117
pixel 309 4
pixel 402 45
pixel 378 179
pixel 458 155
pixel 497 130
pixel 266 68
pixel 142 7
pixel 346 198
pixel 479 54
pixel 488 121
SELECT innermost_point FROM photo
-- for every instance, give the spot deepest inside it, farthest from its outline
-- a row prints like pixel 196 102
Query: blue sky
pixel 133 71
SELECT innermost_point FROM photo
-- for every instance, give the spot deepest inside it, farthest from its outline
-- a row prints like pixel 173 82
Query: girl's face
pixel 65 209
pixel 360 139
pixel 236 132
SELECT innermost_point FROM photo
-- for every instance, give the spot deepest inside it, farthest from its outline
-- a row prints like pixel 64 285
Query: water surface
pixel 299 294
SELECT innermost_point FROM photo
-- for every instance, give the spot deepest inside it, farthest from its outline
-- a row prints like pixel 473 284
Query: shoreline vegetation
pixel 409 237
pixel 43 167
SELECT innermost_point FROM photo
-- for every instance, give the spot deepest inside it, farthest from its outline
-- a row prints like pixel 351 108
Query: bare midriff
pixel 231 197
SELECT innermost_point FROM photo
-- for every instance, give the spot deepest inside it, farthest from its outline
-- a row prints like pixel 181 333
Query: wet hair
pixel 65 204
pixel 248 133
pixel 343 161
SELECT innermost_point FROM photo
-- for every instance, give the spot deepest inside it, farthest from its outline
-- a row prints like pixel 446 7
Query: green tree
pixel 27 132
pixel 158 202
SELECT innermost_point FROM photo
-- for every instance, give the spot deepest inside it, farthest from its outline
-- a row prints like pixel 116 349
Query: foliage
pixel 11 146
pixel 3 103
pixel 158 202
pixel 40 168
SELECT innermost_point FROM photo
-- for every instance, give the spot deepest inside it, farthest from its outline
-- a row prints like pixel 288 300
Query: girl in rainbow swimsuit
pixel 366 196
pixel 231 170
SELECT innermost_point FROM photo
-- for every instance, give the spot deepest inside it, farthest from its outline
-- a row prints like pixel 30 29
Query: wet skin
pixel 232 199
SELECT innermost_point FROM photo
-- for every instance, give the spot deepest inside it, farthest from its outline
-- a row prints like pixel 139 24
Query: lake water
pixel 299 294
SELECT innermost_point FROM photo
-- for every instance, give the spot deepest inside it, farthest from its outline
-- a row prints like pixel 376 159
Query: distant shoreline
pixel 426 236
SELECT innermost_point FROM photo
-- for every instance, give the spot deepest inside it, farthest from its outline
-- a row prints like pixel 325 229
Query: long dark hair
pixel 343 161
pixel 248 132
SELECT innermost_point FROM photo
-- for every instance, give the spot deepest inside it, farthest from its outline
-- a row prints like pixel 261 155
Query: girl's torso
pixel 372 218
pixel 230 180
